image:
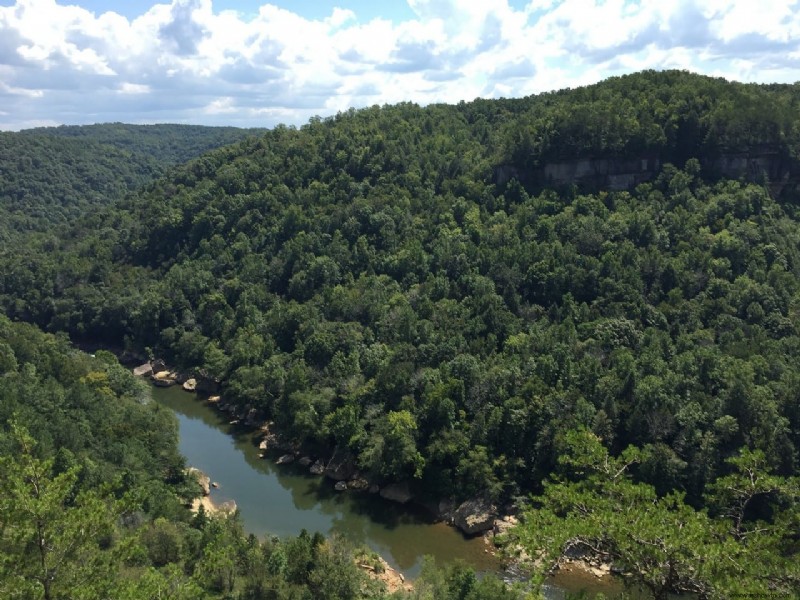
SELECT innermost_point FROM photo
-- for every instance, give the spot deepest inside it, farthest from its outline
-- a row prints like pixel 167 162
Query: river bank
pixel 284 499
pixel 472 517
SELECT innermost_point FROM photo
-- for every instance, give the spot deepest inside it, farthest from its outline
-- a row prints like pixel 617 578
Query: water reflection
pixel 283 500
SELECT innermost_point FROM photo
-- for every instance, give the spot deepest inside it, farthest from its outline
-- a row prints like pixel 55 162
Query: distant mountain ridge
pixel 457 298
pixel 164 142
pixel 52 175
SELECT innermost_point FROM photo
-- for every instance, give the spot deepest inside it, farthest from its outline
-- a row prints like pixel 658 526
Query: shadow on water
pixel 283 500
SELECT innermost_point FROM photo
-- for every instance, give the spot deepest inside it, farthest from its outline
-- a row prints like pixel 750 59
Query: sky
pixel 257 64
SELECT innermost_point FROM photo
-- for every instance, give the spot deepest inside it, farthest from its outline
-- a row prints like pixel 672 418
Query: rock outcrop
pixel 341 466
pixel 202 479
pixel 165 378
pixel 145 370
pixel 502 525
pixel 357 484
pixel 190 385
pixel 157 366
pixel 286 459
pixel 475 516
pixel 397 492
pixel 757 163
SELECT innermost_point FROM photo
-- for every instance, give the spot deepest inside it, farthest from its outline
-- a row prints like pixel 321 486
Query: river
pixel 283 500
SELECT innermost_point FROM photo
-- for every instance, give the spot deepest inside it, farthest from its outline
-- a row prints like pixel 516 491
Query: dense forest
pixel 53 175
pixel 421 289
pixel 93 494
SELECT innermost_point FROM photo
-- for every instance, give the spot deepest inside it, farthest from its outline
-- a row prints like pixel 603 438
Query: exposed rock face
pixel 317 468
pixel 340 486
pixel 357 484
pixel 286 459
pixel 203 479
pixel 504 524
pixel 190 385
pixel 165 378
pixel 615 174
pixel 158 366
pixel 475 516
pixel 145 370
pixel 397 492
pixel 341 465
pixel 757 163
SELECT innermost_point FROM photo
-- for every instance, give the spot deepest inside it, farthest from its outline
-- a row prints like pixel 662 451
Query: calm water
pixel 283 500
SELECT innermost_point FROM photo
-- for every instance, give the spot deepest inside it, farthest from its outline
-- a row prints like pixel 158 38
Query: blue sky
pixel 365 10
pixel 252 63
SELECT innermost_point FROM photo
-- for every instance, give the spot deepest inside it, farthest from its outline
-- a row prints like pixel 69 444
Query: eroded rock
pixel 475 516
pixel 145 370
pixel 202 479
pixel 341 466
pixel 165 378
pixel 504 524
pixel 157 366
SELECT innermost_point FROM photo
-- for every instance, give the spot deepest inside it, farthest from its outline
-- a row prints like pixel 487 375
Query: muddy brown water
pixel 283 500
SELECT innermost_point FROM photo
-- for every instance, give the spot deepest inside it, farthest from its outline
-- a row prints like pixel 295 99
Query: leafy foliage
pixel 53 175
pixel 662 543
pixel 402 283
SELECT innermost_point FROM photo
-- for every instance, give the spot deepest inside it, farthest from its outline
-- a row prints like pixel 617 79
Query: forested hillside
pixel 50 176
pixel 92 494
pixel 167 144
pixel 414 287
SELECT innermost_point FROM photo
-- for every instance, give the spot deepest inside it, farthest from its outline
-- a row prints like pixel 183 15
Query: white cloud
pixel 184 61
pixel 134 88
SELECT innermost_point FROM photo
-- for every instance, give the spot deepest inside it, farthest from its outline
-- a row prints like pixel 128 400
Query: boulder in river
pixel 286 459
pixel 340 486
pixel 475 516
pixel 317 468
pixel 145 370
pixel 304 461
pixel 190 384
pixel 341 466
pixel 165 378
pixel 397 492
pixel 157 366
